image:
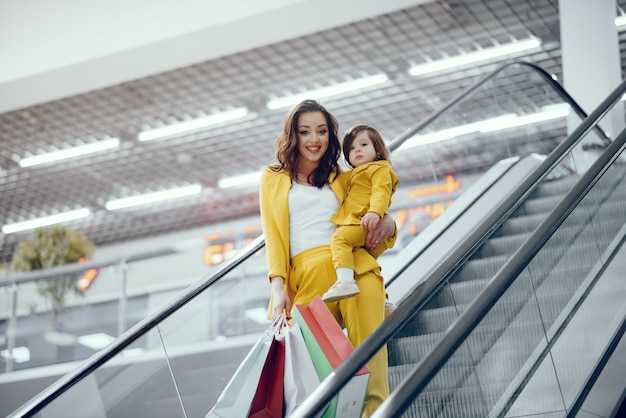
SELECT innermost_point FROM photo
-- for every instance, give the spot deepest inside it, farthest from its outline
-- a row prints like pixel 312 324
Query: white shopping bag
pixel 300 376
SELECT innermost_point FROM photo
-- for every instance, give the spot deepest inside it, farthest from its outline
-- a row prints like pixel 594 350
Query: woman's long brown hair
pixel 287 154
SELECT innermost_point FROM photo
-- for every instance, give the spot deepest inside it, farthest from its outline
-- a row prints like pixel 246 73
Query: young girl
pixel 372 183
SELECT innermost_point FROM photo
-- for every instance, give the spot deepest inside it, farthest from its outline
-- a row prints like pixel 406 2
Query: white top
pixel 310 210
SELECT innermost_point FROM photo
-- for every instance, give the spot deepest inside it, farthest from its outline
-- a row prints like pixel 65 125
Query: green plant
pixel 50 247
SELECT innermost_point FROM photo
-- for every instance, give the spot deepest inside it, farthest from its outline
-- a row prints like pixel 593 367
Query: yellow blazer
pixel 274 205
pixel 370 190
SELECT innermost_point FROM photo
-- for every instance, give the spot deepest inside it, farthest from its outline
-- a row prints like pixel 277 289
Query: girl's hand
pixel 280 300
pixel 385 228
pixel 370 220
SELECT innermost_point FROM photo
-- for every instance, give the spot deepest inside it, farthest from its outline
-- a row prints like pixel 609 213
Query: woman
pixel 298 196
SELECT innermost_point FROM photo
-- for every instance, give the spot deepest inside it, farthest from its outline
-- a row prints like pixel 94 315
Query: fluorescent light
pixel 507 121
pixel 472 57
pixel 96 341
pixel 45 221
pixel 620 20
pixel 143 199
pixel 242 180
pixel 193 124
pixel 70 152
pixel 545 115
pixel 328 91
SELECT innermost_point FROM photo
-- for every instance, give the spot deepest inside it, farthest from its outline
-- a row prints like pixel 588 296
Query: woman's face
pixel 312 137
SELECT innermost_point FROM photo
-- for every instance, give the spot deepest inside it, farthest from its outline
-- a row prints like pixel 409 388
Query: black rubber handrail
pixel 547 77
pixel 101 357
pixel 422 293
pixel 141 328
pixel 427 368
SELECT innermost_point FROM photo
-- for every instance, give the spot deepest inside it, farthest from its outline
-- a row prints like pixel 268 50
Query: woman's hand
pixel 280 300
pixel 385 228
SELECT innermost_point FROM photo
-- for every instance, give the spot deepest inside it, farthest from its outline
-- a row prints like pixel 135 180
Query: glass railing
pixel 438 303
pixel 527 345
pixel 203 333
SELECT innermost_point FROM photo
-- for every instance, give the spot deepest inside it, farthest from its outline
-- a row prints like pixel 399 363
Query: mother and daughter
pixel 304 196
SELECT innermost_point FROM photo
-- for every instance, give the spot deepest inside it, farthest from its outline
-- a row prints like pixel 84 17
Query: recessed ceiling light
pixel 489 125
pixel 328 91
pixel 127 202
pixel 192 125
pixel 45 221
pixel 242 180
pixel 472 57
pixel 70 152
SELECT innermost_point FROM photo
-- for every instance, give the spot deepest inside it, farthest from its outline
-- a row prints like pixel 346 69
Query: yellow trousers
pixel 345 239
pixel 311 275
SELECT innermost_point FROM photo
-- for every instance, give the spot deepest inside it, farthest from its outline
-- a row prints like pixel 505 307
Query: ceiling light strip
pixel 193 124
pixel 70 152
pixel 472 57
pixel 328 91
pixel 242 180
pixel 489 125
pixel 127 202
pixel 46 221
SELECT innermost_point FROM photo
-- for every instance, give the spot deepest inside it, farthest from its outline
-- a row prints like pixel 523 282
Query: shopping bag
pixel 328 346
pixel 235 401
pixel 300 375
pixel 268 400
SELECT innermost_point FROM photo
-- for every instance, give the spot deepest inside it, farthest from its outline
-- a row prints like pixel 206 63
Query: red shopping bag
pixel 268 400
pixel 328 346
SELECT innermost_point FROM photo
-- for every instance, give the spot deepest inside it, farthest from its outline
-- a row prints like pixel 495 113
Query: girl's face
pixel 362 150
pixel 312 138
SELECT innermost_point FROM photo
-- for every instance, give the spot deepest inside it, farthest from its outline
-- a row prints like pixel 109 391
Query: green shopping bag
pixel 328 346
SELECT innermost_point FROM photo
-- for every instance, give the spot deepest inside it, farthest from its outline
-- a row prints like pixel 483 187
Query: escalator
pixel 523 323
pixel 529 346
pixel 173 379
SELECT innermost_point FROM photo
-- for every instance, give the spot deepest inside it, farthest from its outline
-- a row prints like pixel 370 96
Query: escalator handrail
pixel 547 77
pixel 101 357
pixel 142 327
pixel 419 296
pixel 454 336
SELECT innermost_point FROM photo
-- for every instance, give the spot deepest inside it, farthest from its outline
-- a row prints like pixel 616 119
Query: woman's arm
pixel 386 228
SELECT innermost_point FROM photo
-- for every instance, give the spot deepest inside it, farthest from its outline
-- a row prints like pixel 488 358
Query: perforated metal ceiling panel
pixel 389 43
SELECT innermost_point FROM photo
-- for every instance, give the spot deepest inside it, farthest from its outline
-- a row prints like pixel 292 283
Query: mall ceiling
pixel 387 44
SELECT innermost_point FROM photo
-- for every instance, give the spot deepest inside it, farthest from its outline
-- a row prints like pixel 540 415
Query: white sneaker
pixel 340 290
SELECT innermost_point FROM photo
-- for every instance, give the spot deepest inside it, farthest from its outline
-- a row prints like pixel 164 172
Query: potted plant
pixel 50 247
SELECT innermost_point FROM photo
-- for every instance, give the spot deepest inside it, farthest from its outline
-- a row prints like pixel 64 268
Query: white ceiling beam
pixel 52 50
